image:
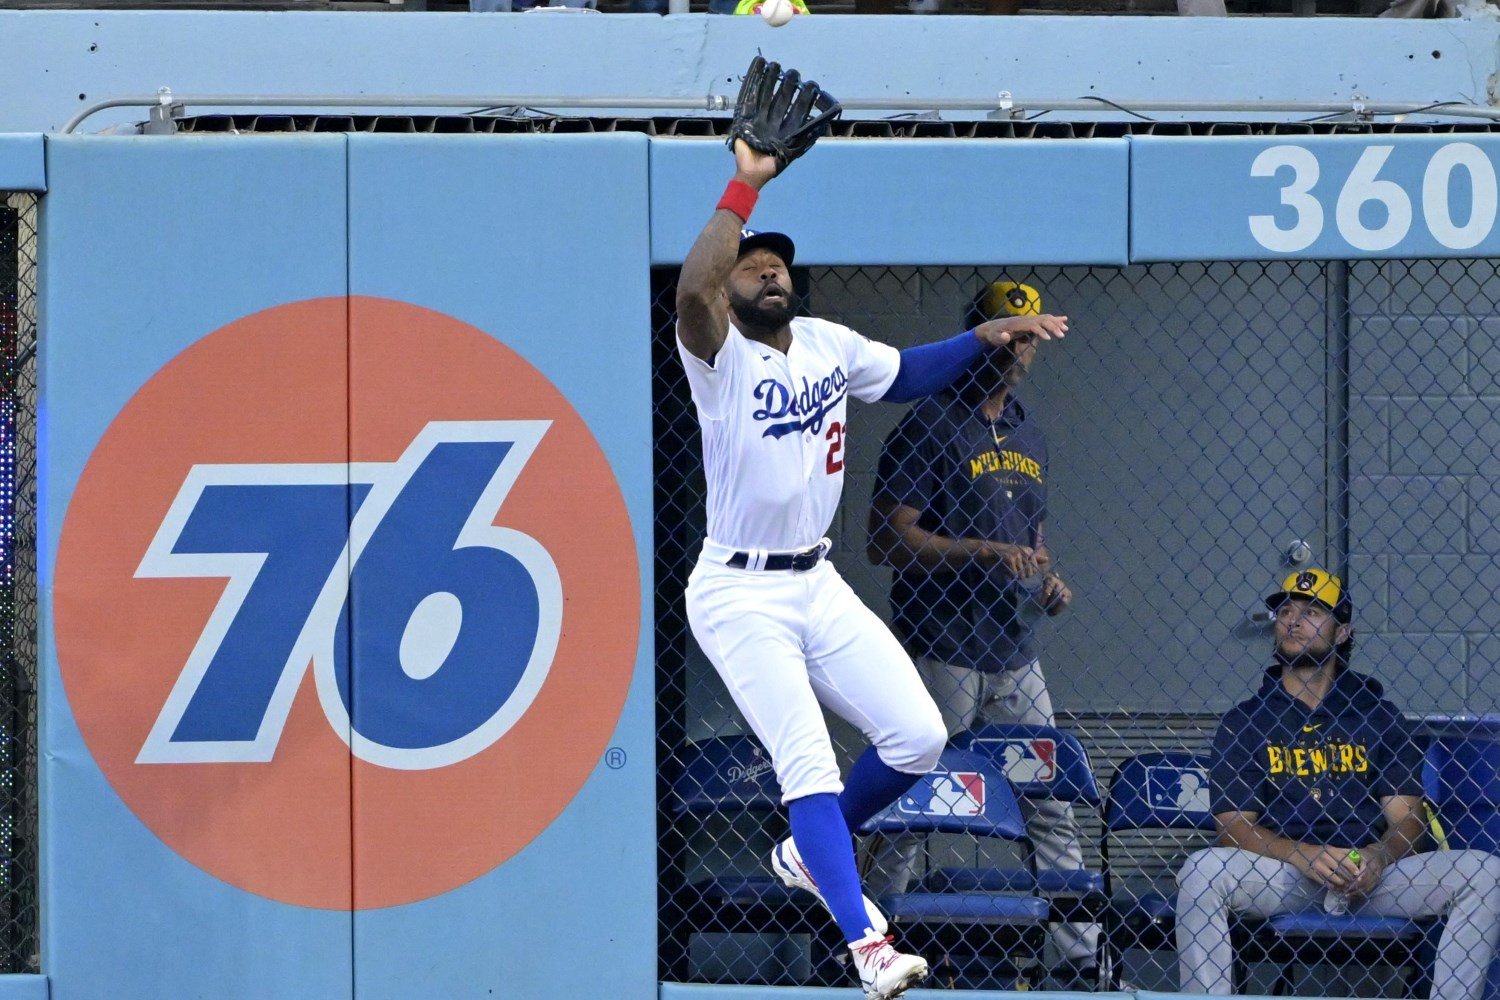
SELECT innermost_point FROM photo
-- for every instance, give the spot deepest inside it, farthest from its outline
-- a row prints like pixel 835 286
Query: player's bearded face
pixel 1306 634
pixel 760 292
pixel 769 306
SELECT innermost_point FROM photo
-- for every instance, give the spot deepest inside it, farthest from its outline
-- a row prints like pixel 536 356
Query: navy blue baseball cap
pixel 778 243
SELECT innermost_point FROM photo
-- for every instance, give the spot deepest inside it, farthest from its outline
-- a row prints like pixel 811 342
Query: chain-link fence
pixel 1077 546
pixel 18 595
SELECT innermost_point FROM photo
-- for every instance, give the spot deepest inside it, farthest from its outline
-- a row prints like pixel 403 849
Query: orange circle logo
pixel 347 603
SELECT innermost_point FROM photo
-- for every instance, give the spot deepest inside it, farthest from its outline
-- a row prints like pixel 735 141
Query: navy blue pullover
pixel 970 478
pixel 1315 775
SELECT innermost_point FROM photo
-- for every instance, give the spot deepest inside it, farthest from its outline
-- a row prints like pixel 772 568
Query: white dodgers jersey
pixel 774 427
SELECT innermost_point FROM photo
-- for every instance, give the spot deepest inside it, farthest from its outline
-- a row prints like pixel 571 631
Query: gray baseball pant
pixel 968 698
pixel 1216 881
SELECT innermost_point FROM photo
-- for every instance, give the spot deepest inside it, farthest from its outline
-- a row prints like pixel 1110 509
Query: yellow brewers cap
pixel 1011 298
pixel 1314 585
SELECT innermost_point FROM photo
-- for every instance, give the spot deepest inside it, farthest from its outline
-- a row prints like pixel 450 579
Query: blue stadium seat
pixel 1041 762
pixel 727 888
pixel 971 928
pixel 1291 940
pixel 1150 791
pixel 1160 791
pixel 726 774
pixel 1461 777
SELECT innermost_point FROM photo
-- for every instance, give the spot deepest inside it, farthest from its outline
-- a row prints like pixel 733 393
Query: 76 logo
pixel 397 567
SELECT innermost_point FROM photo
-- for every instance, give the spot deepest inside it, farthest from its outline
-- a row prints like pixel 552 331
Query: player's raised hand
pixel 779 113
pixel 753 167
pixel 999 332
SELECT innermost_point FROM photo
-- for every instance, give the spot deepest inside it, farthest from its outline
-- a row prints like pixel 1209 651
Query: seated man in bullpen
pixel 960 501
pixel 1316 788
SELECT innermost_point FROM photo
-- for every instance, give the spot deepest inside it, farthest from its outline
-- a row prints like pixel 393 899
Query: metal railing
pixel 166 107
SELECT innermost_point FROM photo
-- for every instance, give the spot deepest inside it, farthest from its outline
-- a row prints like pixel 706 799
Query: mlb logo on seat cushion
pixel 1030 760
pixel 945 793
pixel 1184 789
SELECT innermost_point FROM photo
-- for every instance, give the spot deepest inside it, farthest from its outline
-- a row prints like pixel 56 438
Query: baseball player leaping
pixel 780 625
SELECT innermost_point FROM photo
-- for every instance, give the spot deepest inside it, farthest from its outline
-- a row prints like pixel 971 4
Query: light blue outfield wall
pixel 1046 201
pixel 1314 197
pixel 21 165
pixel 429 225
pixel 53 63
pixel 23 987
pixel 133 284
pixel 105 337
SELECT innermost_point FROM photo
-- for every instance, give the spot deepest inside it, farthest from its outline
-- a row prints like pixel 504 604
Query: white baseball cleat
pixel 786 862
pixel 884 972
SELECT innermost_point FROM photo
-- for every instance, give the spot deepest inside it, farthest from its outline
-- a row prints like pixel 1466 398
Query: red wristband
pixel 739 198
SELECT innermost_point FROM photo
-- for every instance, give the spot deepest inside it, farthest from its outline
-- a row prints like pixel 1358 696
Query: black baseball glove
pixel 780 113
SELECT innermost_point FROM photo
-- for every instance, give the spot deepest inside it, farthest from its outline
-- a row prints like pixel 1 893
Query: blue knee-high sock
pixel 871 786
pixel 823 841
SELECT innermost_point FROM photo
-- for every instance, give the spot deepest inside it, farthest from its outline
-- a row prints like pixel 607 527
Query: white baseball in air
pixel 777 12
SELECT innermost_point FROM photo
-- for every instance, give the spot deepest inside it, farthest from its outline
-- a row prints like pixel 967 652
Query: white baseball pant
pixel 785 641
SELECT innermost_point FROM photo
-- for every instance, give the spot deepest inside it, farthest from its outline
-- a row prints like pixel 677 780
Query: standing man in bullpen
pixel 959 507
pixel 781 627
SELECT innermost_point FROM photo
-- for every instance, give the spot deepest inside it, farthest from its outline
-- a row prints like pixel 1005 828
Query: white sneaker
pixel 884 972
pixel 786 861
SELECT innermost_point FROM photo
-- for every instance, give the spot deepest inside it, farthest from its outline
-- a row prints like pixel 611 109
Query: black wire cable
pixel 1117 107
pixel 1341 114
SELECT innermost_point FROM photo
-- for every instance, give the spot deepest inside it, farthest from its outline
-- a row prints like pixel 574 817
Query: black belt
pixel 799 561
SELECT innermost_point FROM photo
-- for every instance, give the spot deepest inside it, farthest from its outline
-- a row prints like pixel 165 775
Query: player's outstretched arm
pixel 999 332
pixel 702 303
pixel 930 368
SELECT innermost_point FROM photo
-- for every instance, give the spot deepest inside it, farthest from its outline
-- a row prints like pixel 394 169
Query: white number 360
pixel 1364 186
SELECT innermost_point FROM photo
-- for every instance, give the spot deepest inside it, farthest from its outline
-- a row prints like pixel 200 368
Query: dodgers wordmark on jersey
pixel 773 430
